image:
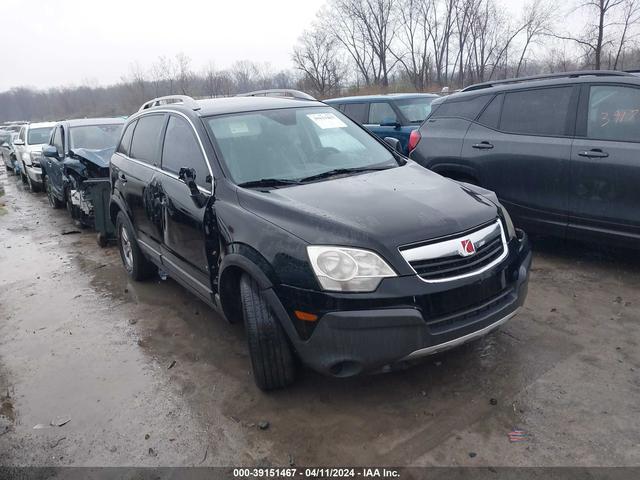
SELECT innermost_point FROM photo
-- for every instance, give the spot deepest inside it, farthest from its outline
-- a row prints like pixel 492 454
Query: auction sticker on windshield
pixel 326 120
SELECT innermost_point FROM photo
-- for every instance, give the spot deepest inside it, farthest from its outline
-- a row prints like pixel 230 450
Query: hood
pixel 380 210
pixel 98 157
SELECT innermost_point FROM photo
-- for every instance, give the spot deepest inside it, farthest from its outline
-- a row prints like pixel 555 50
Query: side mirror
pixel 391 123
pixel 50 151
pixel 18 142
pixel 188 176
pixel 393 143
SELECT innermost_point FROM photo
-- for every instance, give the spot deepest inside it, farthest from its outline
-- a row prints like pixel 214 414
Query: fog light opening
pixel 347 368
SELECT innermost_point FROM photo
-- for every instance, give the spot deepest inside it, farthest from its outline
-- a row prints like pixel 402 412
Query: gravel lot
pixel 79 341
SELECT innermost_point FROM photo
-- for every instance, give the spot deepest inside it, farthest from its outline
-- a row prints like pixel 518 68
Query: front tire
pixel 33 187
pixel 272 359
pixel 135 263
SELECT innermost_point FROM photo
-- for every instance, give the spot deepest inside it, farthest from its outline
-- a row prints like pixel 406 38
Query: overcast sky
pixel 73 42
pixel 49 43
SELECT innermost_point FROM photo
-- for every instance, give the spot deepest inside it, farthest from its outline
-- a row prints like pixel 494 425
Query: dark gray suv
pixel 562 151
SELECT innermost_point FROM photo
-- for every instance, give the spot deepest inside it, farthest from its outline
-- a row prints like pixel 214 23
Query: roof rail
pixel 171 99
pixel 278 92
pixel 583 73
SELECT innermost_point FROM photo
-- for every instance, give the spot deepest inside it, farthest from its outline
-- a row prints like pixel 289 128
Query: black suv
pixel 561 151
pixel 331 246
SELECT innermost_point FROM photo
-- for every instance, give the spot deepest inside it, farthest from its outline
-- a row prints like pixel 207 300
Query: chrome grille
pixel 444 260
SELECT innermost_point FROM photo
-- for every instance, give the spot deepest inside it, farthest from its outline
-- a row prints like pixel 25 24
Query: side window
pixel 181 150
pixel 125 143
pixel 381 112
pixel 146 139
pixel 614 113
pixel 58 141
pixel 491 115
pixel 357 111
pixel 468 108
pixel 536 112
pixel 23 134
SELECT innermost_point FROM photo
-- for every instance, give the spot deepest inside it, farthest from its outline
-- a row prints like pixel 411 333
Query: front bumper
pixel 405 318
pixel 34 173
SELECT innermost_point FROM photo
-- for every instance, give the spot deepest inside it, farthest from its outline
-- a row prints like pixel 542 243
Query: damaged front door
pixel 187 189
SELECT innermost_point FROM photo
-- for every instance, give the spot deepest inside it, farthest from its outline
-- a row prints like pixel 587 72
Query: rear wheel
pixel 53 200
pixel 135 263
pixel 272 359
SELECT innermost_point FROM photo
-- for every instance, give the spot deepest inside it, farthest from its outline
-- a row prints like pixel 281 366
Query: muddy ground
pixel 149 376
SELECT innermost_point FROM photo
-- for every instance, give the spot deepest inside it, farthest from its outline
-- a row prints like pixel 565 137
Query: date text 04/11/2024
pixel 315 473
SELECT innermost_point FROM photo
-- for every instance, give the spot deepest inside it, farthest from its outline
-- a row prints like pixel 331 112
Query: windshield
pixel 294 143
pixel 95 137
pixel 39 135
pixel 415 109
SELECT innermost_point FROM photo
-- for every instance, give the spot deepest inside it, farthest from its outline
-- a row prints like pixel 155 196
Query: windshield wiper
pixel 342 171
pixel 269 182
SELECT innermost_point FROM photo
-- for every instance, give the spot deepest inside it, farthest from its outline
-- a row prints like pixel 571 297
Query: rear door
pixel 183 240
pixel 141 184
pixel 605 163
pixel 520 146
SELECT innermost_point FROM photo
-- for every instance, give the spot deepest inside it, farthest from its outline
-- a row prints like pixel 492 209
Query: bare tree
pixel 595 38
pixel 537 17
pixel 184 73
pixel 412 51
pixel 317 57
pixel 630 18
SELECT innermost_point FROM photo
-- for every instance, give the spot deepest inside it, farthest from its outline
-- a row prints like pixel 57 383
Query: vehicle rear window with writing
pixel 614 113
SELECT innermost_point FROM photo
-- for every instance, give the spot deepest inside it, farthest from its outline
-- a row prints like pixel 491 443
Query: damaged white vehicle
pixel 28 151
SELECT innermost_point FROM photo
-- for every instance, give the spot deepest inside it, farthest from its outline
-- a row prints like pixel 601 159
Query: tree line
pixel 371 46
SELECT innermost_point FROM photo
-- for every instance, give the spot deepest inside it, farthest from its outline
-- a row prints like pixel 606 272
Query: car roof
pixel 539 83
pixel 77 122
pixel 369 98
pixel 42 124
pixel 230 105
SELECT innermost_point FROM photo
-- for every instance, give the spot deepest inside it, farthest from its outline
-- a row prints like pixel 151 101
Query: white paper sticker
pixel 326 120
pixel 238 128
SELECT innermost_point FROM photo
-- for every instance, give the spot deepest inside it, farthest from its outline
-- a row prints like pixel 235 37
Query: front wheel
pixel 272 359
pixel 33 187
pixel 135 263
pixel 53 200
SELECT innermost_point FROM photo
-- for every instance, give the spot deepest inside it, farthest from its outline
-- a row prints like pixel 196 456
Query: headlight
pixel 35 158
pixel 343 269
pixel 511 230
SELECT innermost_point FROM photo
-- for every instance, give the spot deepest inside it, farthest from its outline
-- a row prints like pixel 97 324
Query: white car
pixel 28 147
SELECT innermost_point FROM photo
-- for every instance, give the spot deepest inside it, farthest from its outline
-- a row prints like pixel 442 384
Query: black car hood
pixel 98 157
pixel 379 210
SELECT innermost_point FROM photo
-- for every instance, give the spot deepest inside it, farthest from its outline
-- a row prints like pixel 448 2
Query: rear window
pixel 536 112
pixel 146 138
pixel 468 108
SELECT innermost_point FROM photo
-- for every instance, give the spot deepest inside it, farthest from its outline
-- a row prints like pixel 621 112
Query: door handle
pixel 593 153
pixel 482 146
pixel 123 178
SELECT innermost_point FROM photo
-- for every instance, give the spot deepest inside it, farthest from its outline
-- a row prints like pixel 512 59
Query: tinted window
pixel 415 110
pixel 146 138
pixel 614 113
pixel 58 141
pixel 125 143
pixel 181 150
pixel 467 108
pixel 357 111
pixel 491 115
pixel 536 112
pixel 381 112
